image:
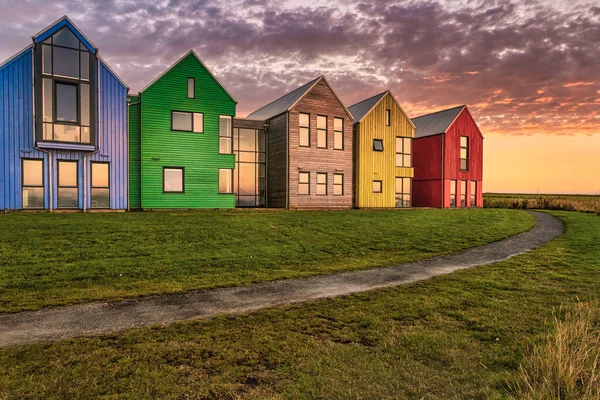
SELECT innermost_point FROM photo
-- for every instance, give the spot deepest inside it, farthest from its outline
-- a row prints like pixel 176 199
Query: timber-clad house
pixel 72 138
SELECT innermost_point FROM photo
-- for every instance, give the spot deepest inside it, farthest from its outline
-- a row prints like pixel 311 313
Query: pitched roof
pixel 283 103
pixel 435 123
pixel 362 108
pixel 58 25
pixel 191 52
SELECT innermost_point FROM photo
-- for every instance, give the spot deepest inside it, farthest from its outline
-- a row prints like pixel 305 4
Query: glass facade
pixel 249 178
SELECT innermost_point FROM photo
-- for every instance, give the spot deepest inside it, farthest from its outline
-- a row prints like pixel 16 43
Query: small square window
pixel 377 186
pixel 377 145
pixel 304 183
pixel 173 180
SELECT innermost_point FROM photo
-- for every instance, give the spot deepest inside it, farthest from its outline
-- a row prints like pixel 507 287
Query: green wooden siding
pixel 198 153
pixel 135 154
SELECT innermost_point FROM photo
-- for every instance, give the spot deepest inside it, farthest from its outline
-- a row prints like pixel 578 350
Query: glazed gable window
pixel 304 139
pixel 187 121
pixel 66 95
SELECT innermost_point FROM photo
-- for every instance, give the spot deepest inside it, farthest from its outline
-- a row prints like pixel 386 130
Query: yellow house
pixel 383 168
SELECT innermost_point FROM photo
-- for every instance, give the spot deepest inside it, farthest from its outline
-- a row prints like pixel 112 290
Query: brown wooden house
pixel 309 148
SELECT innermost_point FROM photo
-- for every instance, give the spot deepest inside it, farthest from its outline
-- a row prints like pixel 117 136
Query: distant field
pixel 565 202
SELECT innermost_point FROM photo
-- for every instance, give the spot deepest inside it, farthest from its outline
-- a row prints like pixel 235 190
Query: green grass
pixel 564 202
pixel 460 336
pixel 54 259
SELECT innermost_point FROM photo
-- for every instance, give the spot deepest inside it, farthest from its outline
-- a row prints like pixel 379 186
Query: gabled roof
pixel 435 123
pixel 288 101
pixel 113 73
pixel 361 109
pixel 15 57
pixel 58 25
pixel 192 52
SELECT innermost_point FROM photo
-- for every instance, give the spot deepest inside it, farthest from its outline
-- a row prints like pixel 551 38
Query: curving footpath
pixel 101 318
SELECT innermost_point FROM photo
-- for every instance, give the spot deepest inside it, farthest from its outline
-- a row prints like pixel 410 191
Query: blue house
pixel 63 126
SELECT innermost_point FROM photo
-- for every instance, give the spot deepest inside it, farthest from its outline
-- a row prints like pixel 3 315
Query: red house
pixel 448 160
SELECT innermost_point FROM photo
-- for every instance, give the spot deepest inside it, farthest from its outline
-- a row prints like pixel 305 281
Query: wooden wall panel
pixel 427 193
pixel 372 165
pixel 464 125
pixel 320 100
pixel 277 162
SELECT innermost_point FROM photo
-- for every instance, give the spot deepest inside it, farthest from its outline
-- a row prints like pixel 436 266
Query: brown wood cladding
pixel 277 149
pixel 320 100
pixel 249 123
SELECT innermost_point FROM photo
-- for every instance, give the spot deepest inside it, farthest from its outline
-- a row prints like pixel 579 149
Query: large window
pixel 473 194
pixel 377 145
pixel 304 139
pixel 249 181
pixel 68 188
pixel 191 88
pixel 225 181
pixel 187 121
pixel 463 193
pixel 304 183
pixel 321 132
pixel 403 152
pixel 338 184
pixel 225 134
pixel 338 134
pixel 66 99
pixel 100 191
pixel 173 180
pixel 322 183
pixel 452 193
pixel 403 192
pixel 33 184
pixel 464 153
pixel 377 186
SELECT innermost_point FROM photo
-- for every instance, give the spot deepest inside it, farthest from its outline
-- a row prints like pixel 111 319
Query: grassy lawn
pixel 54 259
pixel 453 337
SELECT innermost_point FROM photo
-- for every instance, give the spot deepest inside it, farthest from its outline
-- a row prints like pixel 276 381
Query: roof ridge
pixel 286 94
pixel 372 97
pixel 440 111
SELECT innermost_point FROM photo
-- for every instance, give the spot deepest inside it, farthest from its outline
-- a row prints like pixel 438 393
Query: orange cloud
pixel 575 84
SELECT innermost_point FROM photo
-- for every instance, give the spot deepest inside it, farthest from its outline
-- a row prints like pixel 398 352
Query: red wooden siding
pixel 464 125
pixel 427 162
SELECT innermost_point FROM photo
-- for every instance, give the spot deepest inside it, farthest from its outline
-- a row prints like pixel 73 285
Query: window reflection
pixel 249 183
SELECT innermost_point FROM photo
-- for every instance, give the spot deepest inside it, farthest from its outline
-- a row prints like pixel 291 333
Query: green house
pixel 180 140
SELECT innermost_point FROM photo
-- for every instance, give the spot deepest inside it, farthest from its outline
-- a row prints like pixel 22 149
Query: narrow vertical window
pixel 377 145
pixel 463 193
pixel 68 188
pixel 191 88
pixel 464 153
pixel 304 183
pixel 225 134
pixel 173 180
pixel 388 117
pixel 100 190
pixel 33 184
pixel 452 193
pixel 321 132
pixel 338 184
pixel 225 181
pixel 377 186
pixel 403 152
pixel 473 194
pixel 403 192
pixel 338 134
pixel 304 139
pixel 322 183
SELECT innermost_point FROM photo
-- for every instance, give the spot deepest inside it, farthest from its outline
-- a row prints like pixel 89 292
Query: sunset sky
pixel 528 71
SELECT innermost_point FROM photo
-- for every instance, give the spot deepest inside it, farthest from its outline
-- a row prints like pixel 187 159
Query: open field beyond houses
pixel 459 336
pixel 54 259
pixel 564 202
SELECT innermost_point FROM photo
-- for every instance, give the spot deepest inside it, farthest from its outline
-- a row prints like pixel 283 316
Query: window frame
pixel 23 186
pixel 338 131
pixel 338 184
pixel 64 82
pixel 300 173
pixel 463 196
pixel 453 185
pixel 232 188
pixel 375 147
pixel 59 186
pixel 388 117
pixel 300 126
pixel 402 194
pixel 230 137
pixel 473 194
pixel 403 152
pixel 92 187
pixel 320 130
pixel 193 123
pixel 380 182
pixel 193 87
pixel 467 150
pixel 322 184
pixel 182 180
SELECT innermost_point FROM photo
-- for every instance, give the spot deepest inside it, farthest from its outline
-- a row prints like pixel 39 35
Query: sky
pixel 529 71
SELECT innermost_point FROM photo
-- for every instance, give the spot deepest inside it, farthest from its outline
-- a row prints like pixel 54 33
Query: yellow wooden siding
pixel 372 165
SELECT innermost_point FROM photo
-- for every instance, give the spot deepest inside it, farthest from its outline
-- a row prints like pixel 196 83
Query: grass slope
pixel 53 259
pixel 453 337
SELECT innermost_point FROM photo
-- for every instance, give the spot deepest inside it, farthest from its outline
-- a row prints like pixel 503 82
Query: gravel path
pixel 100 318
